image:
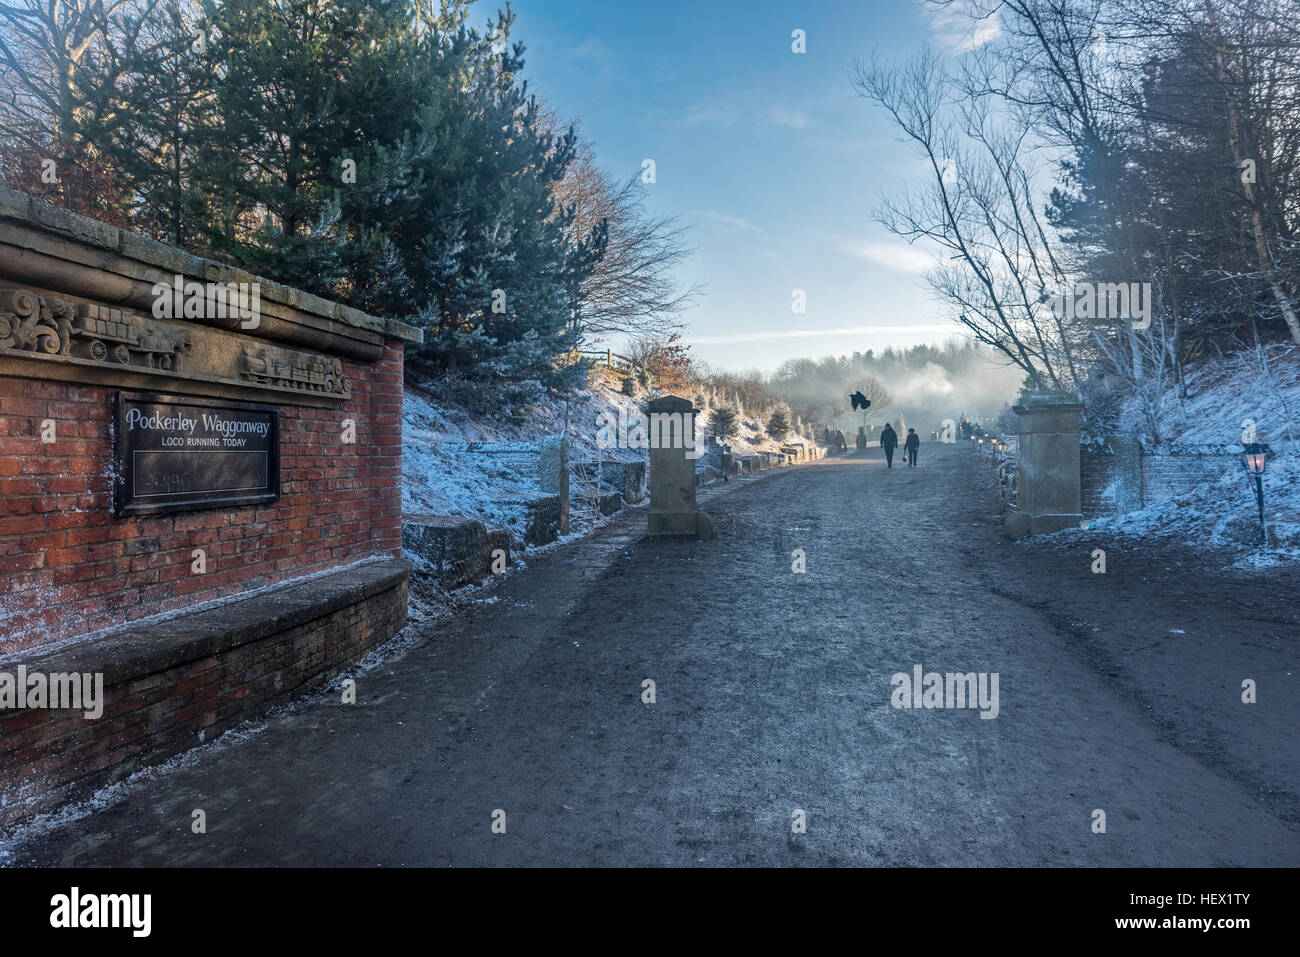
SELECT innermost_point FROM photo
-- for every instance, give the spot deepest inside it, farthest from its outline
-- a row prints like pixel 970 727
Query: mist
pixel 924 384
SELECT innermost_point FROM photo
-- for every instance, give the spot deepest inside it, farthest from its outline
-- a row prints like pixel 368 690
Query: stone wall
pixel 629 478
pixel 1169 471
pixel 1097 477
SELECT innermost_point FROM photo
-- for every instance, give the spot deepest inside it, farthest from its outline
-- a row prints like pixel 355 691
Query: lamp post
pixel 1254 457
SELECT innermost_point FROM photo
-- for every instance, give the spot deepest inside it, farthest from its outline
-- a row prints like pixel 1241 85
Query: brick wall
pixel 1096 473
pixel 1167 471
pixel 1181 471
pixel 168 702
pixel 68 566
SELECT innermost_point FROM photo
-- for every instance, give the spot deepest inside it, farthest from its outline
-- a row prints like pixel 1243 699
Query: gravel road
pixel 772 696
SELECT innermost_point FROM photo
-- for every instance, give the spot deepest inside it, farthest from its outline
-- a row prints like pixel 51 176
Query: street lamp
pixel 1254 457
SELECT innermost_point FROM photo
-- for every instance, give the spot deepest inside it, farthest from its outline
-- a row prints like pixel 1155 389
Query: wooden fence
pixel 609 359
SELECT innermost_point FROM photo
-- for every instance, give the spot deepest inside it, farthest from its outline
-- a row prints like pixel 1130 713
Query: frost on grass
pixel 1221 513
pixel 461 467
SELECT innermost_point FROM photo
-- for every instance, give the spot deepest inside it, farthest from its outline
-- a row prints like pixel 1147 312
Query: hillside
pixel 1222 396
pixel 446 473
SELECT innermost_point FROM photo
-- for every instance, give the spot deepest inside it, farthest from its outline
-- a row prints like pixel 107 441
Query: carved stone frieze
pixel 82 334
pixel 44 324
pixel 34 323
pixel 293 370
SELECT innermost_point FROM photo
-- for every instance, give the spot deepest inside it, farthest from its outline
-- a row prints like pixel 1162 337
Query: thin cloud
pixel 736 222
pixel 698 114
pixel 895 256
pixel 780 116
pixel 594 50
pixel 962 25
pixel 740 111
pixel 811 334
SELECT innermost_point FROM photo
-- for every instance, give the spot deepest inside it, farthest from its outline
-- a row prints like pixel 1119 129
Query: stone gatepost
pixel 553 473
pixel 1048 495
pixel 672 470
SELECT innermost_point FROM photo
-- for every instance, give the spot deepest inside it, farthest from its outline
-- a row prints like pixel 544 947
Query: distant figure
pixel 910 447
pixel 888 442
pixel 840 444
pixel 862 439
pixel 859 401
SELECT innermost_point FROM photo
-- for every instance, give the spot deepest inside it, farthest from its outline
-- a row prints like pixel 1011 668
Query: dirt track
pixel 773 694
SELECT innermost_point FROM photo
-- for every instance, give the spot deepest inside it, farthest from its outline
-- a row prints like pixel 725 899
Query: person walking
pixel 888 442
pixel 911 446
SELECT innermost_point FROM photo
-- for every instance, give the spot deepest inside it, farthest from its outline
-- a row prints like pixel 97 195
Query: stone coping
pixel 128 652
pixel 42 216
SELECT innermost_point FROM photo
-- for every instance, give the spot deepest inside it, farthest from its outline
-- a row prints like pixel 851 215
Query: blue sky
pixel 772 160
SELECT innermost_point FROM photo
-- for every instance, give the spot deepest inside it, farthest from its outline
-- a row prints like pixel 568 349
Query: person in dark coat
pixel 911 446
pixel 888 442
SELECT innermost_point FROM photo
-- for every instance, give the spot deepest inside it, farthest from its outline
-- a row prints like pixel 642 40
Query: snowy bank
pixel 1227 401
pixel 462 466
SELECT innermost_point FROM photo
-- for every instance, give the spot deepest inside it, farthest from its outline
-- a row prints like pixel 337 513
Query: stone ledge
pixel 458 551
pixel 125 653
pixel 118 248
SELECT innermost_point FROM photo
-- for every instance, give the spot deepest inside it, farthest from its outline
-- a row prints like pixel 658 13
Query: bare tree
pixel 979 208
pixel 820 390
pixel 58 58
pixel 1236 85
pixel 633 291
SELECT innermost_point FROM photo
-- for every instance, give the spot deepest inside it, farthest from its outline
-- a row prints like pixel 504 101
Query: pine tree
pixel 152 120
pixel 778 426
pixel 303 86
pixel 725 421
pixel 377 152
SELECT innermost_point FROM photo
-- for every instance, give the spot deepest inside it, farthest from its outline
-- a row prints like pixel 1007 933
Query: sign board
pixel 180 454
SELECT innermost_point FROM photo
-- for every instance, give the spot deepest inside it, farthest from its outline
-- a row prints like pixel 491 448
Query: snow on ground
pixel 444 473
pixel 1222 394
pixel 1223 514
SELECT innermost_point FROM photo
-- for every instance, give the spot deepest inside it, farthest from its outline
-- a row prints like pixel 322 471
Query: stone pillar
pixel 553 473
pixel 672 470
pixel 1048 494
pixel 564 484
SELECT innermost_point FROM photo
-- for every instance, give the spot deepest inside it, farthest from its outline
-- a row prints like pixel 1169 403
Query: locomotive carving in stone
pixel 44 324
pixel 293 370
pixel 80 332
pixel 104 331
